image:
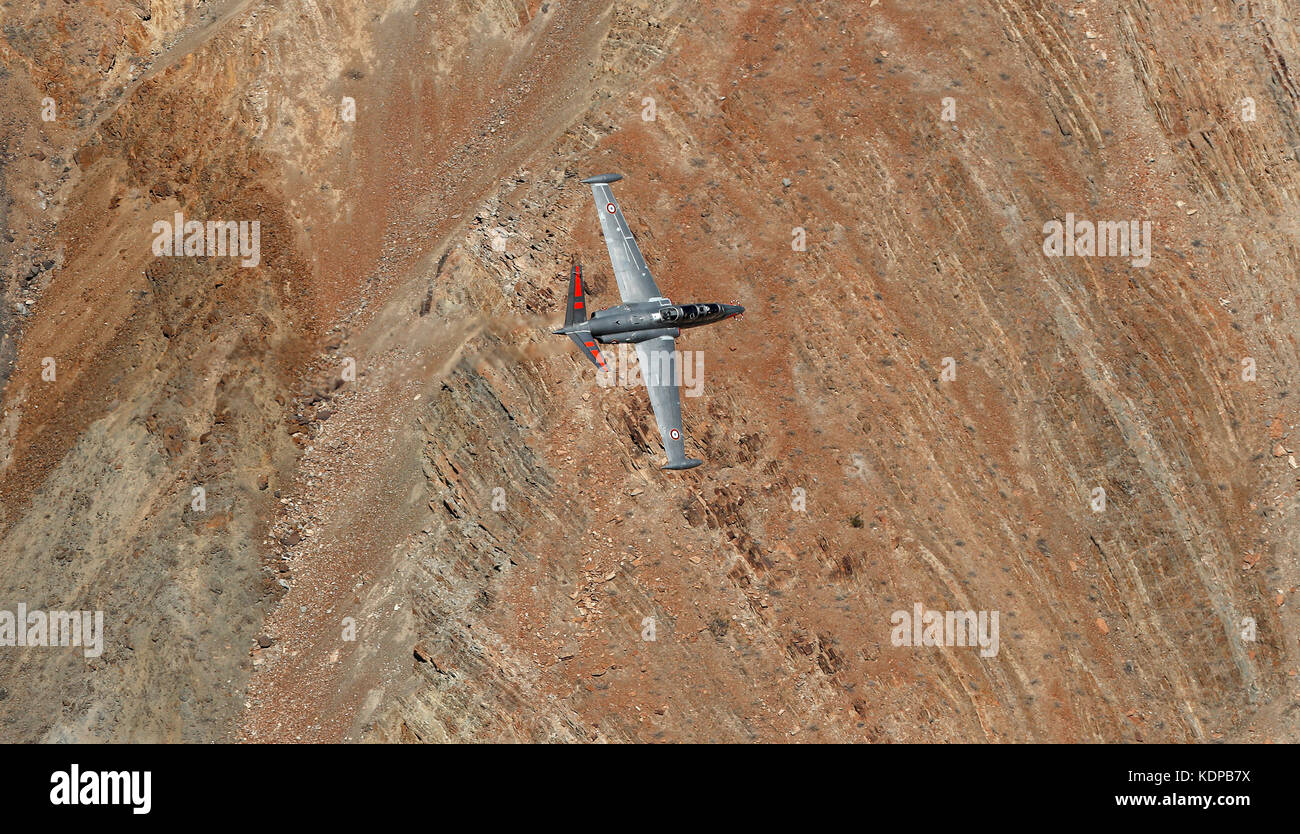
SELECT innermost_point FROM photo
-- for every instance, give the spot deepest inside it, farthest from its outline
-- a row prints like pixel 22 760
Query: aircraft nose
pixel 734 310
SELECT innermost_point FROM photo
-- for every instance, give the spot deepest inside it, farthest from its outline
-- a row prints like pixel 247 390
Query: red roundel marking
pixel 675 434
pixel 609 207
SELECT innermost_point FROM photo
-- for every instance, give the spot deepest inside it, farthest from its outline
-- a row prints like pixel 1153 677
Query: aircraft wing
pixel 659 372
pixel 630 271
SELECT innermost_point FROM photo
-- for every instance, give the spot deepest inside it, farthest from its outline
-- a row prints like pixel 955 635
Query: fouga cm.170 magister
pixel 645 318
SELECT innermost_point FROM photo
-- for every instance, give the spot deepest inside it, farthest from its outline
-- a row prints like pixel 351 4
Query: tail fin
pixel 576 312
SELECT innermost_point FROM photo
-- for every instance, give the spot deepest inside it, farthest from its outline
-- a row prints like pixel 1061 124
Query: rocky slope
pixel 424 520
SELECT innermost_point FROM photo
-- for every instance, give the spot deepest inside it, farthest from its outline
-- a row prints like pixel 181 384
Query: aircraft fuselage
pixel 642 320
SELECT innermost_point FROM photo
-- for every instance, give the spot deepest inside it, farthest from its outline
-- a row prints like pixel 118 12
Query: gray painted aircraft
pixel 645 318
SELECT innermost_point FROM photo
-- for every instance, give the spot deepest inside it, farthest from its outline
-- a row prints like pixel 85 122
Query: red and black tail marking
pixel 576 312
pixel 585 341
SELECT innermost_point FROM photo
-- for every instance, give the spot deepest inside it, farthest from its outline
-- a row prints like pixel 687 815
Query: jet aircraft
pixel 646 319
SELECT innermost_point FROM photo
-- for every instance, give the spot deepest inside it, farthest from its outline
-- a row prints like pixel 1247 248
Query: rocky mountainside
pixel 358 491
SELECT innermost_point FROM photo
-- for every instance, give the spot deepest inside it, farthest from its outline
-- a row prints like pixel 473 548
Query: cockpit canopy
pixel 691 313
